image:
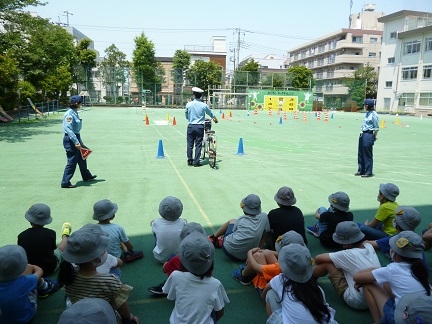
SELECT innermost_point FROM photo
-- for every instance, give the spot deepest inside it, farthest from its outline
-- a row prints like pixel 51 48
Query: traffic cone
pixel 296 115
pixel 278 113
pixel 167 118
pixel 270 112
pixel 248 113
pixel 280 121
pixel 230 114
pixel 220 111
pixel 318 116
pixel 240 150
pixel 332 115
pixel 304 117
pixel 147 120
pixel 397 119
pixel 160 154
pixel 284 116
pixel 326 117
pixel 255 111
pixel 383 124
pixel 174 123
pixel 223 116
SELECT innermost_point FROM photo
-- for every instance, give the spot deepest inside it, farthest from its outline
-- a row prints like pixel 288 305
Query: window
pixel 409 73
pixel 428 44
pixel 303 54
pixel 406 99
pixel 310 64
pixel 372 54
pixel 374 40
pixel 332 45
pixel 319 75
pixel 312 51
pixel 389 84
pixel 321 49
pixel 295 57
pixel 331 59
pixel 357 39
pixel 318 88
pixel 393 34
pixel 330 74
pixel 427 72
pixel 412 47
pixel 390 60
pixel 425 99
pixel 320 62
pixel 329 87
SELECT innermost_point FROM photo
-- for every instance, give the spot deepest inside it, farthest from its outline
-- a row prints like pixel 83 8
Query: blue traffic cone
pixel 332 115
pixel 280 121
pixel 240 150
pixel 220 111
pixel 160 154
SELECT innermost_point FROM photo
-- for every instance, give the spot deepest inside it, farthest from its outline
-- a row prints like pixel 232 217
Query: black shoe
pixel 91 178
pixel 69 186
pixel 190 163
pixel 157 290
pixel 198 165
pixel 367 175
pixel 358 174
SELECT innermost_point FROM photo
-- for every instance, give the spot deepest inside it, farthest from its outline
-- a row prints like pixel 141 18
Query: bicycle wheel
pixel 204 148
pixel 212 152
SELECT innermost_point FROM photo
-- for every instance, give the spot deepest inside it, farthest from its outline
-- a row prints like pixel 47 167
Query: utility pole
pixel 67 14
pixel 238 46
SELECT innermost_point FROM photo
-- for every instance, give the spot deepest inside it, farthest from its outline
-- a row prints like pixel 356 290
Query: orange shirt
pixel 269 271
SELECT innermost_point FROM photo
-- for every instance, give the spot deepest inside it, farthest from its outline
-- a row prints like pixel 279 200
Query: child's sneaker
pixel 237 275
pixel 157 290
pixel 66 229
pixel 52 286
pixel 216 241
pixel 133 255
pixel 313 230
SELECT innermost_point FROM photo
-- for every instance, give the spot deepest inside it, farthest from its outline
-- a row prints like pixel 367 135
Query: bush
pixel 109 99
pixel 119 100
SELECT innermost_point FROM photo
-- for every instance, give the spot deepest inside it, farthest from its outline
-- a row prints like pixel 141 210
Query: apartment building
pixel 337 55
pixel 405 78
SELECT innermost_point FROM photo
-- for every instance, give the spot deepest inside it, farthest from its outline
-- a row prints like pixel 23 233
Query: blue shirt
pixel 370 122
pixel 196 111
pixel 72 124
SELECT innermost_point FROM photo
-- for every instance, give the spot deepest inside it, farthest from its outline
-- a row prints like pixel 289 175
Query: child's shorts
pixel 339 282
pixel 388 310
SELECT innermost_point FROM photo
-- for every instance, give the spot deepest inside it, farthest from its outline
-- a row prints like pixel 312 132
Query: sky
pixel 264 27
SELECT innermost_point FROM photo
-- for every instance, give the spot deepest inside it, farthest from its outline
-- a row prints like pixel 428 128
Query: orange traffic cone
pixel 223 116
pixel 174 123
pixel 255 111
pixel 295 115
pixel 230 114
pixel 284 116
pixel 147 121
pixel 270 112
pixel 326 117
pixel 304 117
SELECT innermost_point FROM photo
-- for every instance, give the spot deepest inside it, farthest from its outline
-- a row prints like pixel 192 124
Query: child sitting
pixel 104 211
pixel 328 219
pixel 262 265
pixel 87 249
pixel 167 229
pixel 242 234
pixel 342 265
pixel 199 298
pixel 174 263
pixel 40 244
pixel 384 287
pixel 18 281
pixel 88 310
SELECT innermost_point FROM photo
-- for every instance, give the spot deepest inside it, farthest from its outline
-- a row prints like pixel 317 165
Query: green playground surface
pixel 315 158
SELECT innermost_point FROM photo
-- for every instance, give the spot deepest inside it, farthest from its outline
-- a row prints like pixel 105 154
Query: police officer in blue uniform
pixel 72 143
pixel 195 114
pixel 368 136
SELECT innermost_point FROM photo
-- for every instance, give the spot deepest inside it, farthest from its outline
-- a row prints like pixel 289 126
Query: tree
pixel 247 75
pixel 181 63
pixel 274 80
pixel 85 61
pixel 114 68
pixel 205 75
pixel 363 84
pixel 301 77
pixel 148 72
pixel 9 73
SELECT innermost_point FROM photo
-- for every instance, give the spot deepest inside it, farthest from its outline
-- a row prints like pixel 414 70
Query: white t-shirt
pixel 351 261
pixel 398 276
pixel 195 299
pixel 167 236
pixel 293 311
pixel 247 233
pixel 110 262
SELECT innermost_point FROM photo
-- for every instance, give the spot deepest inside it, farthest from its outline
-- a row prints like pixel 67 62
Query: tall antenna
pixel 67 14
pixel 349 20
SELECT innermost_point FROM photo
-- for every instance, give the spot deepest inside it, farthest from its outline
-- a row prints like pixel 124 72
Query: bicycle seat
pixel 210 132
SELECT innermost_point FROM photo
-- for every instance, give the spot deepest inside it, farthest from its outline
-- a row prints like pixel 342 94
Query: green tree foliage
pixel 8 80
pixel 181 62
pixel 148 72
pixel 301 77
pixel 247 75
pixel 363 84
pixel 85 61
pixel 58 82
pixel 274 80
pixel 205 75
pixel 181 59
pixel 114 69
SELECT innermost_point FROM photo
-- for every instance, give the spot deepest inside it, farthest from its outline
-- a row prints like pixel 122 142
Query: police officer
pixel 368 136
pixel 72 143
pixel 195 114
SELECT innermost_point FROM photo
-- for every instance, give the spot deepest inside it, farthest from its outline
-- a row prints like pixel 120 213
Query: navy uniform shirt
pixel 72 124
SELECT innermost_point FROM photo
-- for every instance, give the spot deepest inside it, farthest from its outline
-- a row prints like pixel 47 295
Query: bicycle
pixel 209 144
